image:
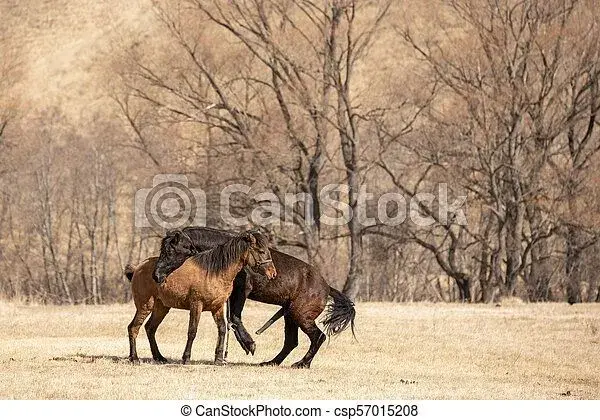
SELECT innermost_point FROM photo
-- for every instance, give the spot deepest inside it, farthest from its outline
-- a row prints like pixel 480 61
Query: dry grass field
pixel 420 351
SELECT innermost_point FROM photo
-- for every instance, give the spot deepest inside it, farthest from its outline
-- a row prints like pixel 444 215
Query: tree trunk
pixel 485 262
pixel 514 239
pixel 540 272
pixel 538 276
pixel 352 284
pixel 464 288
pixel 573 264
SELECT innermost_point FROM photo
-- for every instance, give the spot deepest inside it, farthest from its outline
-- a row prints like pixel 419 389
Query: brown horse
pixel 299 289
pixel 202 283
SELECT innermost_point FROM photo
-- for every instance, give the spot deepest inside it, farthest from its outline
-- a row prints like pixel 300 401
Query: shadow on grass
pixel 87 358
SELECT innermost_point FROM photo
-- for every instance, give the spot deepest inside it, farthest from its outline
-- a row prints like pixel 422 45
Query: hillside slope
pixel 64 47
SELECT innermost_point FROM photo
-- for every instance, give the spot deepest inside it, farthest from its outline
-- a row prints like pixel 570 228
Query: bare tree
pixel 279 108
pixel 582 144
pixel 492 100
pixel 347 45
pixel 508 69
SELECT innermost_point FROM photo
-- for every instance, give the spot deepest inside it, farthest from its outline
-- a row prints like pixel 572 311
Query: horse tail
pixel 128 271
pixel 340 313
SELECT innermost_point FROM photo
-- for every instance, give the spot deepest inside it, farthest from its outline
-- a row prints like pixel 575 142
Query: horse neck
pixel 230 272
pixel 236 264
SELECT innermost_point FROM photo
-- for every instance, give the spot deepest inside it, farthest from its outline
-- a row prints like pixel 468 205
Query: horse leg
pixel 237 299
pixel 317 338
pixel 290 342
pixel 220 350
pixel 195 311
pixel 133 329
pixel 158 314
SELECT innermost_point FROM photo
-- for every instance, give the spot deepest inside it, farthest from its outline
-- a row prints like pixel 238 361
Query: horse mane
pixel 221 257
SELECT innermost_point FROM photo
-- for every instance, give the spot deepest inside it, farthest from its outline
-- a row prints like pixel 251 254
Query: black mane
pixel 191 241
pixel 221 257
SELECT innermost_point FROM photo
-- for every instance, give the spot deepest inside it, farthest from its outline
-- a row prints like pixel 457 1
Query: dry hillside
pixel 64 47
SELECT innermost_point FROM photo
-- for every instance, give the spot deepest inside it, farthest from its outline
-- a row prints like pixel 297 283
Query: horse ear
pixel 268 235
pixel 249 237
pixel 175 237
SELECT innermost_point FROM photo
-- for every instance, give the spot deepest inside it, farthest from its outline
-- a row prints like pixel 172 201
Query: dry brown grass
pixel 422 351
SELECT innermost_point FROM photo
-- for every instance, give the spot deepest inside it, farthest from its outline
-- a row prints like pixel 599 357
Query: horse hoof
pixel 161 360
pixel 248 346
pixel 135 361
pixel 300 365
pixel 220 362
pixel 185 361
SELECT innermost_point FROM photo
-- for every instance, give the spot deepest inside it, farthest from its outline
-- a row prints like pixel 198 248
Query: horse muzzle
pixel 160 279
pixel 271 273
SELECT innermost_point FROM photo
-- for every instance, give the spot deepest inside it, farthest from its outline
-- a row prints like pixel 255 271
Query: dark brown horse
pixel 202 283
pixel 299 289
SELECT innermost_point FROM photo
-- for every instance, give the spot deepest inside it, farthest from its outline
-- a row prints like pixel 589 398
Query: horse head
pixel 175 248
pixel 259 257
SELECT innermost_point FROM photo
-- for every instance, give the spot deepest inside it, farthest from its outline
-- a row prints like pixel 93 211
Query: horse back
pixel 295 279
pixel 192 283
